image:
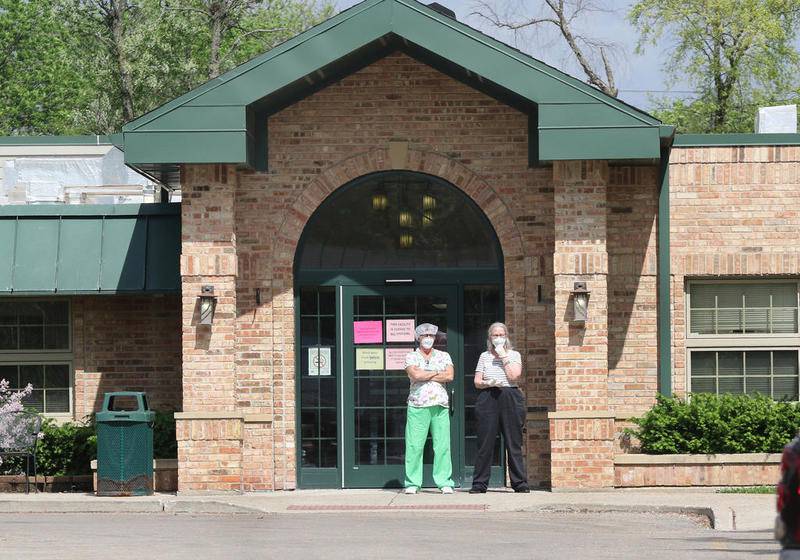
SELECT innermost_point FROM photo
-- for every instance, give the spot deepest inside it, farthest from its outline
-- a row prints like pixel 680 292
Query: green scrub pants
pixel 418 421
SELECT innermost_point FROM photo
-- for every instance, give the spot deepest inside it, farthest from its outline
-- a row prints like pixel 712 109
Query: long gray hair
pixel 489 346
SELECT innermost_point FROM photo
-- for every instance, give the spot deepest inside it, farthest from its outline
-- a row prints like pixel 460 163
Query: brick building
pixel 394 165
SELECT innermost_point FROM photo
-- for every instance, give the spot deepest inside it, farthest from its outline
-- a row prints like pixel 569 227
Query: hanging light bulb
pixel 406 240
pixel 379 201
pixel 404 219
pixel 428 202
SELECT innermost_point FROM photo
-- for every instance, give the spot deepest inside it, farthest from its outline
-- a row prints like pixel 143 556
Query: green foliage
pixel 165 446
pixel 748 490
pixel 69 449
pixel 707 423
pixel 65 449
pixel 737 54
pixel 77 67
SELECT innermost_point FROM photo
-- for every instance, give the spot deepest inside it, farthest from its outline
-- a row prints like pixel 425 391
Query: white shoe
pixel 447 489
pixel 411 490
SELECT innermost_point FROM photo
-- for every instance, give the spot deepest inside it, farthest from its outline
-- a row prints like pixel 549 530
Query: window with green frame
pixel 743 337
pixel 318 425
pixel 35 349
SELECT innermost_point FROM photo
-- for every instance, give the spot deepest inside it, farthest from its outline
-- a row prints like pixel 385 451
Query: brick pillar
pixel 210 429
pixel 581 427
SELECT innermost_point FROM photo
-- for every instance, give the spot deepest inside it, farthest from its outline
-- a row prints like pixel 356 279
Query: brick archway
pixel 387 159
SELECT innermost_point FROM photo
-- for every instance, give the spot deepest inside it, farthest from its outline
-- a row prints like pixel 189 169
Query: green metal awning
pixel 90 249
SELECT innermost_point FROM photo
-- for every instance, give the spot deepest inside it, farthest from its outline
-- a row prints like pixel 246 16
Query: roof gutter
pixel 663 274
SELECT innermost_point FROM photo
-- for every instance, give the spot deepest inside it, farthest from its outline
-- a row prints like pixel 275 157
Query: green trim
pixel 88 140
pixel 91 210
pixel 214 123
pixel 664 281
pixel 703 140
pixel 90 249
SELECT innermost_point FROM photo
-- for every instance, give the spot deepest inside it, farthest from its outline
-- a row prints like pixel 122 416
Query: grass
pixel 748 490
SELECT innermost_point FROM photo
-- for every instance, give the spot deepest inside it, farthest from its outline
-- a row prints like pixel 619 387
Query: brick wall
pixel 126 343
pixel 632 314
pixel 733 214
pixel 394 114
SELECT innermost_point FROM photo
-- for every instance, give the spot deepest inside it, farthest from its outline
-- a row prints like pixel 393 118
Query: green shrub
pixel 64 449
pixel 707 423
pixel 165 446
pixel 68 449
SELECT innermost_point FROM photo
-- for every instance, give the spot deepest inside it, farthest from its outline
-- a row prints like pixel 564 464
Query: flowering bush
pixel 10 403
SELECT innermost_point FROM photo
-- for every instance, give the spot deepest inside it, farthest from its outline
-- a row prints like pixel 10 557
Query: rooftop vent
pixel 436 7
pixel 781 118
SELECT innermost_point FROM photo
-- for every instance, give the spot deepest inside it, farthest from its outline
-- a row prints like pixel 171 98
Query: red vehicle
pixel 787 525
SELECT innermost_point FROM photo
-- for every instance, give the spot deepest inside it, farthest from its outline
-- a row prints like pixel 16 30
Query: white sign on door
pixel 319 361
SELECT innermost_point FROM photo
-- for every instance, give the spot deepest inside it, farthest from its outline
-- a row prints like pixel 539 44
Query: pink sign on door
pixel 399 330
pixel 396 358
pixel 367 332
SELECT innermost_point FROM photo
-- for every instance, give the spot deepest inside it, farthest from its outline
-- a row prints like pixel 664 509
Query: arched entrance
pixel 382 253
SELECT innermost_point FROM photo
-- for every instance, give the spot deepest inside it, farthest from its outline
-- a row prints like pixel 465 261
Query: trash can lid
pixel 125 401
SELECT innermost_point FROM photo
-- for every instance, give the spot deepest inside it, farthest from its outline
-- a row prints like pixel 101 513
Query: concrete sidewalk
pixel 726 512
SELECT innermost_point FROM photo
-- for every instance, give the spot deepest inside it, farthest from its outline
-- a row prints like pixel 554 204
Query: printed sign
pixel 367 332
pixel 399 330
pixel 396 358
pixel 319 361
pixel 369 358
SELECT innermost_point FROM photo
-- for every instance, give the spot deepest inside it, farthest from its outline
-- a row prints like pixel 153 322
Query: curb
pixel 59 506
pixel 706 514
pixel 209 506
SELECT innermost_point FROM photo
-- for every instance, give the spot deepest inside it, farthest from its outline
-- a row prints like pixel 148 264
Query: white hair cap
pixel 426 328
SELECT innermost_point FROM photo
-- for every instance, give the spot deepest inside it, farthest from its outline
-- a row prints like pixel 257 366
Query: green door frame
pixel 343 280
pixel 355 476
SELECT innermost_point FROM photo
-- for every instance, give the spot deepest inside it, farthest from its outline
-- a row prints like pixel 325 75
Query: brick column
pixel 209 430
pixel 581 427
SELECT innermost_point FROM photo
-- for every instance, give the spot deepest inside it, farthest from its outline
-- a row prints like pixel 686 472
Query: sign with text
pixel 367 332
pixel 319 361
pixel 396 358
pixel 399 330
pixel 369 358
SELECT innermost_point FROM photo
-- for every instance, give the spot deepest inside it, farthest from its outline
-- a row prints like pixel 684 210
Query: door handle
pixel 450 400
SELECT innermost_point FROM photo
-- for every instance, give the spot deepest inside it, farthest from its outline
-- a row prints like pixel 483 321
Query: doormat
pixel 472 507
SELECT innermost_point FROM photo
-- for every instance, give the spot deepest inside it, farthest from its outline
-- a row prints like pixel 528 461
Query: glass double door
pixel 377 333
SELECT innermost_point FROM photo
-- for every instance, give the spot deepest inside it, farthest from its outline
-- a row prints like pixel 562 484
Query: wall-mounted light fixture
pixel 208 303
pixel 580 302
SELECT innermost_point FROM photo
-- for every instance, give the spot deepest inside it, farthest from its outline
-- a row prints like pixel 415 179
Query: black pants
pixel 500 408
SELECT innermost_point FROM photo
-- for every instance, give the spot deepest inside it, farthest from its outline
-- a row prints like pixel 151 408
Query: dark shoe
pixel 477 490
pixel 522 489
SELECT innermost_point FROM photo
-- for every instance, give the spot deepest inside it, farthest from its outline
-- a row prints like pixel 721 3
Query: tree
pixel 231 31
pixel 89 66
pixel 591 53
pixel 38 84
pixel 734 53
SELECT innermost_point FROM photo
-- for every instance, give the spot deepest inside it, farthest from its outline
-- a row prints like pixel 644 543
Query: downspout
pixel 663 275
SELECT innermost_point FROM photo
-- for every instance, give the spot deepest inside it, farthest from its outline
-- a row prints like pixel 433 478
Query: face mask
pixel 499 341
pixel 426 343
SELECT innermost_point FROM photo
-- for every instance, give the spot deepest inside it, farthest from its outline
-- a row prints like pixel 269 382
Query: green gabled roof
pixel 216 122
pixel 89 249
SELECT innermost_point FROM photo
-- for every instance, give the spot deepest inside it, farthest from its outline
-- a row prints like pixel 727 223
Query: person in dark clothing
pixel 500 406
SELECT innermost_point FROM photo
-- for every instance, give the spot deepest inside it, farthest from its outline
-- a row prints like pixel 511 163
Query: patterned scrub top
pixel 428 393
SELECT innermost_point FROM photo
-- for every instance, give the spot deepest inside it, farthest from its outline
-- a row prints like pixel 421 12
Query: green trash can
pixel 125 445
